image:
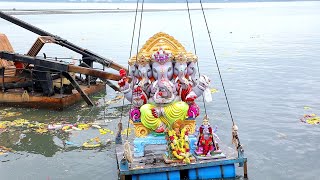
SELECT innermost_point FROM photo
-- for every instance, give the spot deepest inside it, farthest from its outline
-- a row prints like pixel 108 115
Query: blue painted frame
pixel 182 167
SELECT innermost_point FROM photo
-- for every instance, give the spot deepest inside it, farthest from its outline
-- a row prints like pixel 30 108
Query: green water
pixel 56 149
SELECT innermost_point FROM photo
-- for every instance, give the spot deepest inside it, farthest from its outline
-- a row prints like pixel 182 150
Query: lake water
pixel 269 58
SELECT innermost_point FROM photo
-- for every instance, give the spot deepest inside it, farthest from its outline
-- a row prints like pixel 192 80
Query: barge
pixel 30 80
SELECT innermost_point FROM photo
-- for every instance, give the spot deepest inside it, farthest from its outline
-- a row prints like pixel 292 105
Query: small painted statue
pixel 206 144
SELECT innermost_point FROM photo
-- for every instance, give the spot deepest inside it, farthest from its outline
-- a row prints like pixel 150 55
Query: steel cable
pixel 195 53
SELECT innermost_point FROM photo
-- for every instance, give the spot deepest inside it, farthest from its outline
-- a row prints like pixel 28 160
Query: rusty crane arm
pixel 57 66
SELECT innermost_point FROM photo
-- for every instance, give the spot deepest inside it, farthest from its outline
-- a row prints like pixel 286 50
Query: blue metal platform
pixel 152 166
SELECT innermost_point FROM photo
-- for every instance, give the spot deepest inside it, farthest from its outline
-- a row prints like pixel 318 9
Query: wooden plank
pixel 38 44
pixel 93 72
pixel 10 69
pixel 114 87
pixel 5 44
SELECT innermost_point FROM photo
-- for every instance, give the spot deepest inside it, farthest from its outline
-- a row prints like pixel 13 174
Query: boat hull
pixel 21 98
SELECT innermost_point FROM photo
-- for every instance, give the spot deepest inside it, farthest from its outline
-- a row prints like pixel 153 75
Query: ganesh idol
pixel 163 85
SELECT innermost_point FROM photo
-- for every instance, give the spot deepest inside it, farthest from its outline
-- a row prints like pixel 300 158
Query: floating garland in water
pixel 5 150
pixel 92 143
pixel 41 128
pixel 310 119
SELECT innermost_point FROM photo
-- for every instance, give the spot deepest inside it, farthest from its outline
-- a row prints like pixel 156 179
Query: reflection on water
pixel 32 143
pixel 64 149
pixel 53 133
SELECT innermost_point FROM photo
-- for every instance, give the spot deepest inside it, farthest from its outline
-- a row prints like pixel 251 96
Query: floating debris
pixel 43 127
pixel 83 126
pixel 98 97
pixel 42 130
pixel 5 124
pixel 125 131
pixel 19 122
pixel 104 131
pixel 306 107
pixel 75 128
pixel 70 143
pixel 55 126
pixel 213 90
pixel 67 128
pixel 282 136
pixel 230 69
pixel 96 126
pixel 23 127
pixel 22 136
pixel 5 150
pixel 6 114
pixel 115 100
pixel 311 119
pixel 92 143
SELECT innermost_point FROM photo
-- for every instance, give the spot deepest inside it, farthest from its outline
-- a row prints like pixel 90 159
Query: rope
pixel 195 53
pixel 127 151
pixel 134 28
pixel 225 94
pixel 132 37
pixel 140 28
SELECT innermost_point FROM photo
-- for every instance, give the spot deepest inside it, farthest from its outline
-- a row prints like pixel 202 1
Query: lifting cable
pixel 239 147
pixel 195 53
pixel 215 58
pixel 139 34
pixel 234 127
pixel 132 38
pixel 127 151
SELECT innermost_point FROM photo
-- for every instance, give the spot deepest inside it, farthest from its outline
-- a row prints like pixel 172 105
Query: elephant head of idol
pixel 180 68
pixel 144 72
pixel 191 69
pixel 162 69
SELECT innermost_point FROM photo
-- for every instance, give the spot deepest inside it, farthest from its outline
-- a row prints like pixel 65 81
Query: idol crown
pixel 161 56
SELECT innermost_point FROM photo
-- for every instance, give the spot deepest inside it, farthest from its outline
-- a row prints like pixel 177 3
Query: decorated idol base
pixel 167 159
pixel 212 155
